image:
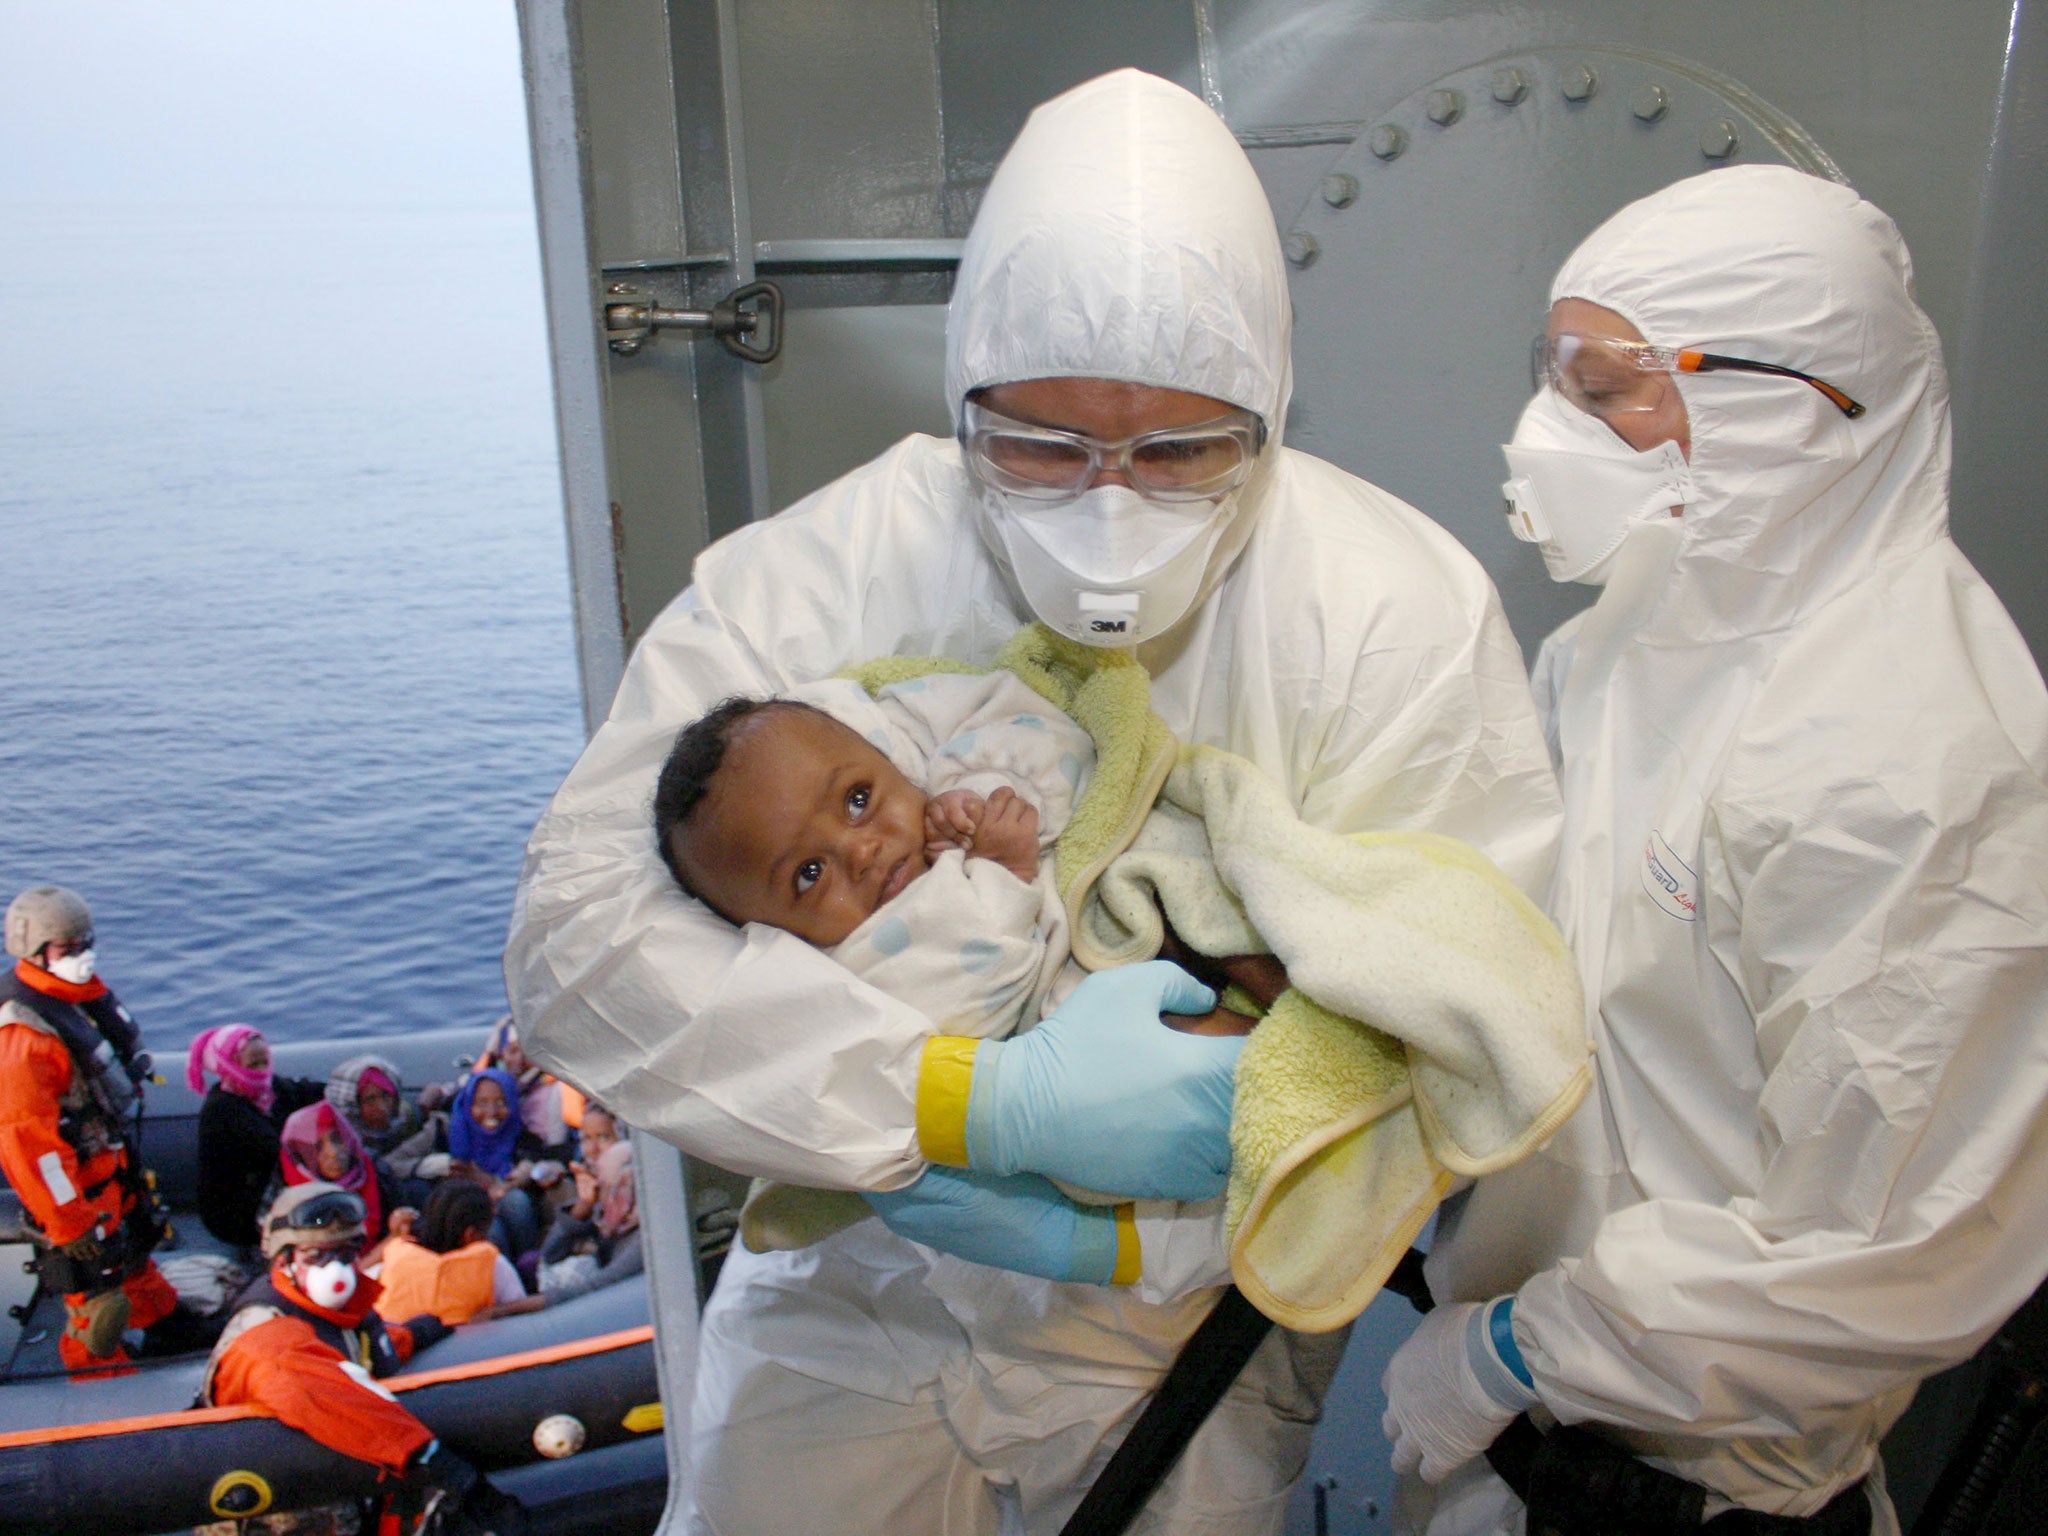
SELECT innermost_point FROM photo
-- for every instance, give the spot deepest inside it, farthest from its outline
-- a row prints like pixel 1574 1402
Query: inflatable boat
pixel 561 1407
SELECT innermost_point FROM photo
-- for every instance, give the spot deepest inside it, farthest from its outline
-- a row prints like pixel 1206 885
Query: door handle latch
pixel 747 322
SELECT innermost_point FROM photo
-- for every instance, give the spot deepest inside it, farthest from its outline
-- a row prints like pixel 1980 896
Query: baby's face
pixel 806 827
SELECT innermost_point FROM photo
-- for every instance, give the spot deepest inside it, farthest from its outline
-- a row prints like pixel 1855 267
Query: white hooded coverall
pixel 1342 641
pixel 1802 754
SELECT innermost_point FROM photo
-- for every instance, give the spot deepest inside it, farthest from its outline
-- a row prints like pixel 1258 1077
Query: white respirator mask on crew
pixel 1574 489
pixel 1110 568
pixel 330 1285
pixel 76 969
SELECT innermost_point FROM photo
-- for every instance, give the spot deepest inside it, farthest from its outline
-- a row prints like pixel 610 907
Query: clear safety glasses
pixel 1604 377
pixel 1174 464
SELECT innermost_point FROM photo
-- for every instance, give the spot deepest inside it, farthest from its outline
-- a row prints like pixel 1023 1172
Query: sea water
pixel 286 662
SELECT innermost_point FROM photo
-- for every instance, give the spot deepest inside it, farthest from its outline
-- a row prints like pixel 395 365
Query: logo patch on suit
pixel 1670 880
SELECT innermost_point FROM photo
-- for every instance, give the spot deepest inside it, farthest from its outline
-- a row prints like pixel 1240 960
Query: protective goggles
pixel 1604 377
pixel 1194 463
pixel 60 948
pixel 324 1212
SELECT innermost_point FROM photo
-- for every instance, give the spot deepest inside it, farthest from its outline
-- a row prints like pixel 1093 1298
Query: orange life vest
pixel 452 1286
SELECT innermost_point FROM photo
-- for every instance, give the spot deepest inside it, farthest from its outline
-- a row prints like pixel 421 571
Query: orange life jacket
pixel 452 1286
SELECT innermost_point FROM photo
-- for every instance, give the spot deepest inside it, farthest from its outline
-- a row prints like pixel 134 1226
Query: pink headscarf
pixel 298 1154
pixel 219 1051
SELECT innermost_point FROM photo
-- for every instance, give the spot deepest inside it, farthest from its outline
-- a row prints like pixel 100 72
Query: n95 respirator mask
pixel 1574 489
pixel 1109 568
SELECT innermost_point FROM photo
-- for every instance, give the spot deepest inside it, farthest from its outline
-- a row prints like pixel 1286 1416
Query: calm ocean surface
pixel 288 662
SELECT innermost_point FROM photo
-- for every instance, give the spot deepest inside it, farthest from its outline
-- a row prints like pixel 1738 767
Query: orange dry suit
pixel 66 1050
pixel 313 1368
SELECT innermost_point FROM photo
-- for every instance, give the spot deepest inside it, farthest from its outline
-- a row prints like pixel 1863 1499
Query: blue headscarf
pixel 489 1150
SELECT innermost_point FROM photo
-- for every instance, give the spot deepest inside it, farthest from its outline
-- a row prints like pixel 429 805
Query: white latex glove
pixel 1449 1393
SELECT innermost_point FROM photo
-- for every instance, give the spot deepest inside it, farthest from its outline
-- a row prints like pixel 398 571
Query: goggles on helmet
pixel 1606 377
pixel 60 948
pixel 324 1212
pixel 1196 463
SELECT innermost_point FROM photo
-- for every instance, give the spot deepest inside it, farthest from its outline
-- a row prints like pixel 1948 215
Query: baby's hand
pixel 1009 834
pixel 950 821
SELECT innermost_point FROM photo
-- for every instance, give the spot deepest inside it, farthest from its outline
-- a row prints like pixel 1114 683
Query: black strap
pixel 1203 1371
pixel 82 1031
pixel 1575 1483
pixel 2000 1461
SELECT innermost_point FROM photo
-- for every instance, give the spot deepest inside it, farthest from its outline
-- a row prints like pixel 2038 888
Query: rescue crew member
pixel 305 1345
pixel 71 1065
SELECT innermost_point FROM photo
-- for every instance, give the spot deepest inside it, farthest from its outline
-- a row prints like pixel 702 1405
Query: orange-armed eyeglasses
pixel 1604 376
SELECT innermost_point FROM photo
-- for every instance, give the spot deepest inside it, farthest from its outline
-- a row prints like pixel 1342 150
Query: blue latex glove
pixel 1018 1222
pixel 1105 1096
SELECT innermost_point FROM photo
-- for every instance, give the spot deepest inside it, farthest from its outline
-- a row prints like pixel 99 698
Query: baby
pixel 790 812
pixel 787 812
pixel 771 811
pixel 908 834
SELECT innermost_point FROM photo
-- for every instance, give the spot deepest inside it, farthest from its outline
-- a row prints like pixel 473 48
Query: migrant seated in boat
pixel 240 1124
pixel 546 1104
pixel 595 1239
pixel 487 1142
pixel 446 1266
pixel 318 1146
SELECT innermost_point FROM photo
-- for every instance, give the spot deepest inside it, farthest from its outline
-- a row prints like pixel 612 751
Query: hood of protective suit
pixel 1126 236
pixel 1796 501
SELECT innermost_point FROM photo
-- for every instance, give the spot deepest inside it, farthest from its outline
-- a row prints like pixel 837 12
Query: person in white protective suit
pixel 1802 753
pixel 1122 291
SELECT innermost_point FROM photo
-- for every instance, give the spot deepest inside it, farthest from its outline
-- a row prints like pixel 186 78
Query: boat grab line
pixel 597 1344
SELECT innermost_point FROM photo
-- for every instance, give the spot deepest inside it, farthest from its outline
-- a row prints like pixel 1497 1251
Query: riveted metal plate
pixel 1412 324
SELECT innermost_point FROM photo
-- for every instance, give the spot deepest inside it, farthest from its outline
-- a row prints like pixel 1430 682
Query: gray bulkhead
pixel 1429 162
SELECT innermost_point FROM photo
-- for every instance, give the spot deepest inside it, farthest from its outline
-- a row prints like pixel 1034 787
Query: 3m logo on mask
pixel 1670 880
pixel 1109 613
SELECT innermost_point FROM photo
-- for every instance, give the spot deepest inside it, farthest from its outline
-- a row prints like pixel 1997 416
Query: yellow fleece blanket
pixel 1434 1025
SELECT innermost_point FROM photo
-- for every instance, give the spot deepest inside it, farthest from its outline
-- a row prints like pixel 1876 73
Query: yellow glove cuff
pixel 1130 1263
pixel 944 1078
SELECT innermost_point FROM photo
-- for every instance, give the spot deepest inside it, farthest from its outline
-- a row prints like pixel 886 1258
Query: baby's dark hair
pixel 693 762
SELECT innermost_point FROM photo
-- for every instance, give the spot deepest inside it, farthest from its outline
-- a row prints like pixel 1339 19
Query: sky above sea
pixel 288 650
